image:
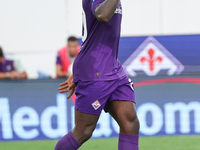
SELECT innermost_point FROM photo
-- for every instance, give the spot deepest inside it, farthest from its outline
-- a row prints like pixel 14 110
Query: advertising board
pixel 34 109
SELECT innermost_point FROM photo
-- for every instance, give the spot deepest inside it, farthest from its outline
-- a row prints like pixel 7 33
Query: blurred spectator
pixel 11 67
pixel 66 57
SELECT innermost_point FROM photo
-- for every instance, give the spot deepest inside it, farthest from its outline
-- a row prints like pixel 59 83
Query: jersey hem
pixel 88 112
pixel 109 79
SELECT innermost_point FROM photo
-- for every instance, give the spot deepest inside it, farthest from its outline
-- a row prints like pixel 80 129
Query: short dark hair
pixel 1 52
pixel 72 38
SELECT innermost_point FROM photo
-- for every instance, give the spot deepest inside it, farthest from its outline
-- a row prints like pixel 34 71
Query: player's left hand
pixel 67 86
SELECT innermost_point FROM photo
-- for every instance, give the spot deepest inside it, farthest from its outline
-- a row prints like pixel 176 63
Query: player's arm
pixel 106 10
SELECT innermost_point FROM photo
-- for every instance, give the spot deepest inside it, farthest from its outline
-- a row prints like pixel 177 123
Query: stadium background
pixel 35 30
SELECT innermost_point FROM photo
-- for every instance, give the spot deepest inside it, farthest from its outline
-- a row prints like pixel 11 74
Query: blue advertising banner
pixel 169 106
pixel 33 109
pixel 160 55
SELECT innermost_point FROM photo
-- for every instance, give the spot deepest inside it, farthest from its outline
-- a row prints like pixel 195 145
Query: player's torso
pixel 97 59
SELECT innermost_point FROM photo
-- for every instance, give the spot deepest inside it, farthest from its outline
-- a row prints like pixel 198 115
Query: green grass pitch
pixel 146 143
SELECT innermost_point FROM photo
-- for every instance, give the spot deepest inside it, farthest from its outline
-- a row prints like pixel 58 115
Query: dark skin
pixel 106 10
pixel 122 111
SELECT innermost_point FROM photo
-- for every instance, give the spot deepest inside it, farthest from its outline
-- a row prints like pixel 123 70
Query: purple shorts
pixel 93 96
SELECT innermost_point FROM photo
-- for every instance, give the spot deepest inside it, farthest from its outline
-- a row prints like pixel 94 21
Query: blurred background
pixel 35 30
pixel 159 49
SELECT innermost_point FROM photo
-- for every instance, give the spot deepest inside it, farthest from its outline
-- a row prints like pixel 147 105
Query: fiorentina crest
pixel 151 57
pixel 96 105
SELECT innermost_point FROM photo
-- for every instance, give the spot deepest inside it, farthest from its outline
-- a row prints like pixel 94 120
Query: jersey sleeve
pixel 94 4
pixel 58 59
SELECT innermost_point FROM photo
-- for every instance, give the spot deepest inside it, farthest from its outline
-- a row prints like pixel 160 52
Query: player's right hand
pixel 67 86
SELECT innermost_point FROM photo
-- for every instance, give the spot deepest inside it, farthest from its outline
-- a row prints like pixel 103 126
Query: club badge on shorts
pixel 96 105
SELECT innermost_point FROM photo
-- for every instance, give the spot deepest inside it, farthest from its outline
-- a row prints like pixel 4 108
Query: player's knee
pixel 88 133
pixel 131 126
pixel 133 123
pixel 85 133
pixel 136 123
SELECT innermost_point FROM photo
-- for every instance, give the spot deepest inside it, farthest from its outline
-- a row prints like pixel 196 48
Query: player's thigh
pixel 122 103
pixel 124 113
pixel 84 123
pixel 85 119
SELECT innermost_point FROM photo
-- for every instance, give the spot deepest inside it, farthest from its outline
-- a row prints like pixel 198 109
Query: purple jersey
pixel 11 63
pixel 97 59
pixel 58 60
pixel 7 66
